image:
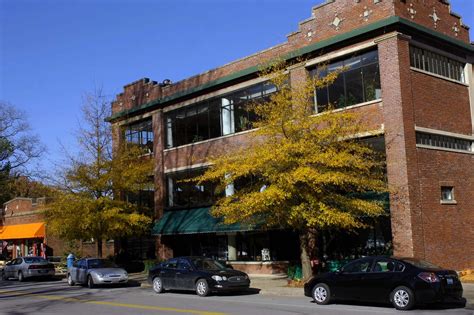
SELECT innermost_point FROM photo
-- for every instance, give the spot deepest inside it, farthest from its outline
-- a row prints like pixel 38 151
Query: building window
pixel 183 193
pixel 439 141
pixel 215 117
pixel 144 199
pixel 140 133
pixel 447 194
pixel 359 82
pixel 437 64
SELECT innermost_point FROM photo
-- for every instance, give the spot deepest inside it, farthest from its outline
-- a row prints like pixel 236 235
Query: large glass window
pixel 144 198
pixel 188 194
pixel 437 64
pixel 216 117
pixel 140 133
pixel 358 82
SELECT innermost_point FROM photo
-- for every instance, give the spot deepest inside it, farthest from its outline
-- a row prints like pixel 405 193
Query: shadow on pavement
pixel 251 291
pixel 433 307
pixel 15 283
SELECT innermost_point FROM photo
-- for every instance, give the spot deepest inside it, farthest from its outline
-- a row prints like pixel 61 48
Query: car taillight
pixel 429 277
pixel 34 267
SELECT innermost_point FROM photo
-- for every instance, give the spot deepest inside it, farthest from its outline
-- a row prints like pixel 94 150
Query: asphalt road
pixel 55 297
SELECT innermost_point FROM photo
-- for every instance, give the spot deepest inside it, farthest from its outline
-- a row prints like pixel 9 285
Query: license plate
pixel 449 281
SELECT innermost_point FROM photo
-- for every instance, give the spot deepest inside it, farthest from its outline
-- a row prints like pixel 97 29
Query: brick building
pixel 23 232
pixel 408 73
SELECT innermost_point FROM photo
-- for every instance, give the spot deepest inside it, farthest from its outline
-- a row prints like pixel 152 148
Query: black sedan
pixel 402 281
pixel 199 274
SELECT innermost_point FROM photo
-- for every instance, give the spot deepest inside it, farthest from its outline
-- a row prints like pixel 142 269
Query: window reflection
pixel 187 194
pixel 216 117
pixel 140 133
pixel 359 82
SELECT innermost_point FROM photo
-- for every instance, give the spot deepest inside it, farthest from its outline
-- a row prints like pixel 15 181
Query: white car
pixel 27 267
pixel 95 271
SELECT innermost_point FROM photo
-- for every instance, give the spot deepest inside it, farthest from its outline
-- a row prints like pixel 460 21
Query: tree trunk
pixel 308 250
pixel 99 247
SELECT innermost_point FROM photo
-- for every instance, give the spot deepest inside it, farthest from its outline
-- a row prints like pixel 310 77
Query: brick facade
pixel 27 210
pixel 421 225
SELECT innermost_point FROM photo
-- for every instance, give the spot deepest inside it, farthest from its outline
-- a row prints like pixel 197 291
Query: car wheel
pixel 202 288
pixel 21 278
pixel 402 298
pixel 321 294
pixel 158 285
pixel 69 280
pixel 90 282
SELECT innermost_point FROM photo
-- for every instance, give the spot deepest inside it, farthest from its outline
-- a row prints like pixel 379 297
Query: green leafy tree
pixel 308 170
pixel 88 205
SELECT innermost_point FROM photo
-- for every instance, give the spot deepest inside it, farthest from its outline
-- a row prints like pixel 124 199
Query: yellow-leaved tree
pixel 308 170
pixel 88 204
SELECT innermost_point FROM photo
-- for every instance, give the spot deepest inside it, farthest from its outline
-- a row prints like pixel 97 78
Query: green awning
pixel 194 221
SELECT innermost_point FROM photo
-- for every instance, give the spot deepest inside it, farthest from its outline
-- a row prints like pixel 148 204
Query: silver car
pixel 94 271
pixel 27 267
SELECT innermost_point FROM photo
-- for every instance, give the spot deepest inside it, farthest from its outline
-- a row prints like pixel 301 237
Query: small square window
pixel 447 194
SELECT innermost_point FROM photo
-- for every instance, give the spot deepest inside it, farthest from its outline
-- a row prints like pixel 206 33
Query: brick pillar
pixel 298 74
pixel 163 250
pixel 400 140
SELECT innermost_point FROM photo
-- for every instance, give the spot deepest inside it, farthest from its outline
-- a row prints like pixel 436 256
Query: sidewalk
pixel 277 286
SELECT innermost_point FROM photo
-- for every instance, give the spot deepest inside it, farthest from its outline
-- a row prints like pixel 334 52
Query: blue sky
pixel 53 51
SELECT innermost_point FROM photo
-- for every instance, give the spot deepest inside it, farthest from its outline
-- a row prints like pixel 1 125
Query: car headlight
pixel 101 275
pixel 219 278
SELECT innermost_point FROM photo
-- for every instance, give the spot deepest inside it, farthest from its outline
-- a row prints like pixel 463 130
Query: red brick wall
pixel 448 229
pixel 424 9
pixel 400 145
pixel 351 14
pixel 441 104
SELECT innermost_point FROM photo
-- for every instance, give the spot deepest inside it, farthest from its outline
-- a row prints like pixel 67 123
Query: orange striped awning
pixel 21 231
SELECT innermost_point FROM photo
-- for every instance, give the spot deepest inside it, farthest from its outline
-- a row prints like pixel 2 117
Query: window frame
pixel 437 63
pixel 425 139
pixel 237 98
pixel 451 189
pixel 136 129
pixel 339 62
pixel 182 175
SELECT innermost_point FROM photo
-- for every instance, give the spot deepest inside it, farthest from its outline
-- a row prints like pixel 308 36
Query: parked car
pixel 95 271
pixel 404 282
pixel 27 267
pixel 200 274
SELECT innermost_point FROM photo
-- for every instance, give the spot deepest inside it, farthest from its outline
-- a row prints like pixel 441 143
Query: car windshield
pixel 421 264
pixel 100 263
pixel 207 264
pixel 34 260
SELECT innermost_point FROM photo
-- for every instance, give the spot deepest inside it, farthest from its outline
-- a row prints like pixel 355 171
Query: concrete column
pixel 469 74
pixel 231 246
